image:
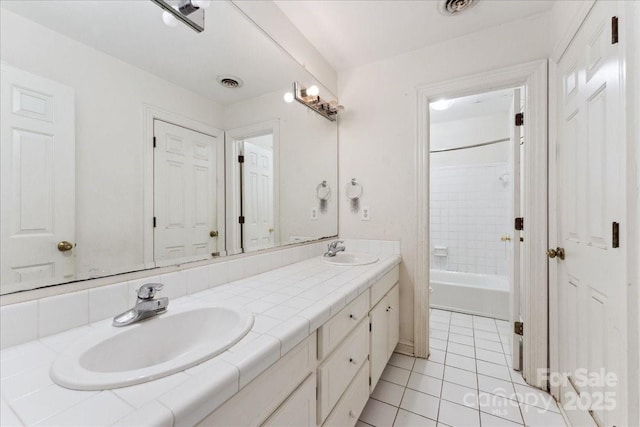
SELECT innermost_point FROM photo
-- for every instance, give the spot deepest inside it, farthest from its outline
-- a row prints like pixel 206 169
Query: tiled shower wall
pixel 469 214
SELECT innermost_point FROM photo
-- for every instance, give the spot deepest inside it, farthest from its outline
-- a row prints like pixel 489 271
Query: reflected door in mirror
pixel 258 230
pixel 185 198
pixel 38 180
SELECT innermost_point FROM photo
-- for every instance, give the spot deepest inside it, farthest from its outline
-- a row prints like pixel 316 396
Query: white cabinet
pixel 347 411
pixel 262 396
pixel 299 410
pixel 385 329
pixel 327 379
pixel 337 371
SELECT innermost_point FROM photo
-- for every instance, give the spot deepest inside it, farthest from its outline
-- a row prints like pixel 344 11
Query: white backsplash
pixel 31 320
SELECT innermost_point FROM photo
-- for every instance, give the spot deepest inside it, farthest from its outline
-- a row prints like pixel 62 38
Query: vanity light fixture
pixel 310 98
pixel 189 12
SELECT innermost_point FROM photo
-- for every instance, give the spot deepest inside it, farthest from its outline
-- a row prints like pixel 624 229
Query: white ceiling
pixel 349 33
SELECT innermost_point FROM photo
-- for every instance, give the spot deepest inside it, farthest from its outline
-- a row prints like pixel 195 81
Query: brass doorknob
pixel 558 252
pixel 213 233
pixel 505 238
pixel 65 246
pixel 271 229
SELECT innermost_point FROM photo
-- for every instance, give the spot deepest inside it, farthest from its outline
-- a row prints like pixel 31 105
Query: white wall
pixel 378 130
pixel 110 95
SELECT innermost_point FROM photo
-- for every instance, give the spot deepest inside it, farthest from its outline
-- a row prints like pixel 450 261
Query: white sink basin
pixel 350 258
pixel 154 348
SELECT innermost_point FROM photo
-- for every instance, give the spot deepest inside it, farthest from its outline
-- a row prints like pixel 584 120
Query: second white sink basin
pixel 351 258
pixel 154 348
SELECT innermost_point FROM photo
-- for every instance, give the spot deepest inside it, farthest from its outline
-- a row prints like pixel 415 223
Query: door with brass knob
pixel 558 252
pixel 65 246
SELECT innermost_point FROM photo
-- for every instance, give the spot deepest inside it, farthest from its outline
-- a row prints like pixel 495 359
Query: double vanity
pixel 304 345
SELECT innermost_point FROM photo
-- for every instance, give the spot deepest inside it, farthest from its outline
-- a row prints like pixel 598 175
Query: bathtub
pixel 478 294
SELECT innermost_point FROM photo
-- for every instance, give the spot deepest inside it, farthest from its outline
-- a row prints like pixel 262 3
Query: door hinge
pixel 154 222
pixel 215 254
pixel 369 327
pixel 518 328
pixel 241 219
pixel 519 223
pixel 614 30
pixel 154 142
pixel 241 159
pixel 615 235
pixel 519 119
pixel 369 380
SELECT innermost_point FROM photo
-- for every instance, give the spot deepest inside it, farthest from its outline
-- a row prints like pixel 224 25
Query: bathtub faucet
pixel 146 306
pixel 333 248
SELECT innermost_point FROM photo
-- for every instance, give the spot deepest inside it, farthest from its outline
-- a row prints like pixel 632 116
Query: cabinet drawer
pixel 335 374
pixel 338 327
pixel 299 410
pixel 382 286
pixel 253 404
pixel 348 409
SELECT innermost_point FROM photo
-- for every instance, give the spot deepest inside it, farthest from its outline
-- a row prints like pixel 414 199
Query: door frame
pixel 151 113
pixel 233 195
pixel 533 76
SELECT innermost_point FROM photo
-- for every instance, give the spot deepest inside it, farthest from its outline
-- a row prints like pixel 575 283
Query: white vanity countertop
pixel 289 303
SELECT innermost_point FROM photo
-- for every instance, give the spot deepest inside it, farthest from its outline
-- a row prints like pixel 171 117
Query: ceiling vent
pixel 230 82
pixel 455 7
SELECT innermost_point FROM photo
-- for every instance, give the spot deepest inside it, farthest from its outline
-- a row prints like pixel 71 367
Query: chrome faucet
pixel 146 305
pixel 333 248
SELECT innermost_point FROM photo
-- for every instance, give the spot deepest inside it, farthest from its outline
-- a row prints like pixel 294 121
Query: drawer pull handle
pixel 352 414
pixel 351 360
pixel 351 316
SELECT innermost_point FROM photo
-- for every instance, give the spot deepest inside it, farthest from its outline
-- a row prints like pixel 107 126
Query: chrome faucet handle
pixel 335 244
pixel 148 290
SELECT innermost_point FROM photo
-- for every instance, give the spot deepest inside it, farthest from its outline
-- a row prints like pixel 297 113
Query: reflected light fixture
pixel 311 99
pixel 441 104
pixel 189 12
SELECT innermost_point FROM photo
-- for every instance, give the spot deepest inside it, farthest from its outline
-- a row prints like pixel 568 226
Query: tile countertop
pixel 289 304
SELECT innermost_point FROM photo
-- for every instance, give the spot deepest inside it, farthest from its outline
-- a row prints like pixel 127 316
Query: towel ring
pixel 323 191
pixel 353 189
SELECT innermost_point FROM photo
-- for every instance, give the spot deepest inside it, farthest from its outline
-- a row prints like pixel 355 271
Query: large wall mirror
pixel 130 144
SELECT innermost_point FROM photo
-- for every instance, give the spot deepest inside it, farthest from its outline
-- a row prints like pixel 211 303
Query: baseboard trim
pixel 405 348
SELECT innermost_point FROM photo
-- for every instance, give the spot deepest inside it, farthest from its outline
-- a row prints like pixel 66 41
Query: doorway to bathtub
pixel 474 266
pixel 474 181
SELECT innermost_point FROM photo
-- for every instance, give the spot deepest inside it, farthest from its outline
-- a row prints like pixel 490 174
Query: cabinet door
pixel 299 410
pixel 378 354
pixel 393 319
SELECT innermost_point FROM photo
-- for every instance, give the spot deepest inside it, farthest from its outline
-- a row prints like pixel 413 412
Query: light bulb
pixel 441 104
pixel 313 90
pixel 288 97
pixel 201 3
pixel 169 19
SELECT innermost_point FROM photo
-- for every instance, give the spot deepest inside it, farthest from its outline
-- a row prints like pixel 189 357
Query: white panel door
pixel 185 197
pixel 591 196
pixel 257 197
pixel 38 180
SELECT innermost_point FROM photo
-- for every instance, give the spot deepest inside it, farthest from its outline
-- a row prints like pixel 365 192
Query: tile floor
pixel 466 382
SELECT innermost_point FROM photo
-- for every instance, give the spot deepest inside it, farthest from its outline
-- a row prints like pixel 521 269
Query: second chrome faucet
pixel 333 248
